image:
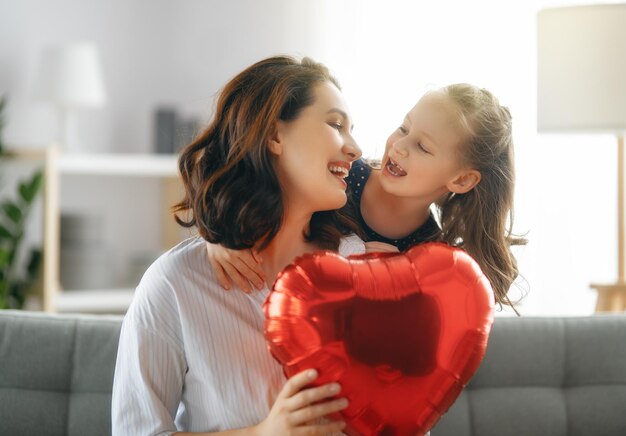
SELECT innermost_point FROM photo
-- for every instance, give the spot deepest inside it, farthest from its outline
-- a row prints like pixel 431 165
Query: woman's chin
pixel 333 202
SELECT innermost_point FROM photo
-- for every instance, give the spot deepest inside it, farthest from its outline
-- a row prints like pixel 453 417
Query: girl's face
pixel 315 152
pixel 422 157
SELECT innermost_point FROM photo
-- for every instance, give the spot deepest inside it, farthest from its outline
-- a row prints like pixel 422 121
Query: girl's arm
pixel 241 267
pixel 380 247
pixel 295 410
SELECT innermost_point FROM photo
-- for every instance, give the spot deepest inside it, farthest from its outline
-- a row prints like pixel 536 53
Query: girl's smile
pixel 392 169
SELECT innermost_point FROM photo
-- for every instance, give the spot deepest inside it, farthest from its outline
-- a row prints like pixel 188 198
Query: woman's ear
pixel 275 140
pixel 464 182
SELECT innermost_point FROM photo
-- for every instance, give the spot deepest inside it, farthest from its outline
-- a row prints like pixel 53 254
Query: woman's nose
pixel 352 149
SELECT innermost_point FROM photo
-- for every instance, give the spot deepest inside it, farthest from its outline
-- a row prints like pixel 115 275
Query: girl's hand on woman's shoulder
pixel 297 408
pixel 241 267
pixel 380 247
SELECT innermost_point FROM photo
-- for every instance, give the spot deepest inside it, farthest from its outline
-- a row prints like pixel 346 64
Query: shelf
pixel 25 155
pixel 94 301
pixel 58 164
pixel 113 164
pixel 134 165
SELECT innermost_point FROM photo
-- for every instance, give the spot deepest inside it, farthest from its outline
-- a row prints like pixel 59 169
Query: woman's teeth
pixel 338 171
pixel 395 169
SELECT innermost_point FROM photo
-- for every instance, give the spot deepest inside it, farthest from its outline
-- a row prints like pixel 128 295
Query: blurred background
pixel 162 62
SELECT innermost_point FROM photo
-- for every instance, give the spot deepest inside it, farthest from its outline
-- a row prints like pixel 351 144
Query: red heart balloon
pixel 402 333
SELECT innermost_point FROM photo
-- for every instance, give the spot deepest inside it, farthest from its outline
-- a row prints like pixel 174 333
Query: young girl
pixel 267 174
pixel 453 151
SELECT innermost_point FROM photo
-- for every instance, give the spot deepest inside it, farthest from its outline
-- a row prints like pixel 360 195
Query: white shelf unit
pixel 136 165
pixel 54 299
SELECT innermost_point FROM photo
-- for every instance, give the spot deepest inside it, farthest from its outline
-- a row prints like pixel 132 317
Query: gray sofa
pixel 540 376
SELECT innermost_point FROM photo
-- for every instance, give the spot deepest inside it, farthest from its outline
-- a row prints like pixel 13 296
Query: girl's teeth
pixel 395 169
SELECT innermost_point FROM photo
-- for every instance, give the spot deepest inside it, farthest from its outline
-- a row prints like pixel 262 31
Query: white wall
pixel 386 54
pixel 154 52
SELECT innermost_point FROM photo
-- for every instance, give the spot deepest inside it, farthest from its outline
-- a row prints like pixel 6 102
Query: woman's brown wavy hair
pixel 232 192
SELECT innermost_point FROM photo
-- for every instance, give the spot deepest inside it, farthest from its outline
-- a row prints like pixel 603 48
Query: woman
pixel 267 174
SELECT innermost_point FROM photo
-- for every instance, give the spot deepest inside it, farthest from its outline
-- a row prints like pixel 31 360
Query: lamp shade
pixel 71 76
pixel 581 79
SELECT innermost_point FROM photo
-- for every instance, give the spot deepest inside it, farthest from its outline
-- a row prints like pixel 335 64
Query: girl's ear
pixel 275 140
pixel 465 182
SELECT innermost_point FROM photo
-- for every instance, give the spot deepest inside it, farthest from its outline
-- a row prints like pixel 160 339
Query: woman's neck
pixel 288 243
pixel 389 215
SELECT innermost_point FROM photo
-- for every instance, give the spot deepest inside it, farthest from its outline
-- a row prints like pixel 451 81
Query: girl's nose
pixel 400 148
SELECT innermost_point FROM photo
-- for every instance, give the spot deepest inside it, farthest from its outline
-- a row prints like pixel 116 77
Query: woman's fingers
pixel 311 413
pixel 296 383
pixel 321 429
pixel 312 395
pixel 297 408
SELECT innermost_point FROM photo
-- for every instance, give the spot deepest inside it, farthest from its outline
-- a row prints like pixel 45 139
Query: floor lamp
pixel 581 83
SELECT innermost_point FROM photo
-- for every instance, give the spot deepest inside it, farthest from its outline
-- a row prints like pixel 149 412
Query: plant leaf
pixel 36 256
pixel 24 192
pixel 12 211
pixel 4 233
pixel 17 295
pixel 5 256
pixel 28 191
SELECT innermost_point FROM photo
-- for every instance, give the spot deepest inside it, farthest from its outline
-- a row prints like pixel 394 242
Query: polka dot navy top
pixel 359 173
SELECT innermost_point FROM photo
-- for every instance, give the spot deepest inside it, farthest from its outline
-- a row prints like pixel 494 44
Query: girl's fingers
pixel 321 429
pixel 239 280
pixel 311 413
pixel 251 258
pixel 222 277
pixel 257 256
pixel 380 247
pixel 296 383
pixel 252 274
pixel 312 395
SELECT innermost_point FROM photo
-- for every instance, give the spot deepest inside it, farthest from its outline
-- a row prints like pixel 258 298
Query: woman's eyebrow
pixel 342 113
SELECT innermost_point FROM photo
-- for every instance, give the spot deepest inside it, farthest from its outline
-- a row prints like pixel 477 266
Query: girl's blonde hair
pixel 481 220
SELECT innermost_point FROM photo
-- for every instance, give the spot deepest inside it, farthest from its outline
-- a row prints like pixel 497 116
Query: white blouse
pixel 191 356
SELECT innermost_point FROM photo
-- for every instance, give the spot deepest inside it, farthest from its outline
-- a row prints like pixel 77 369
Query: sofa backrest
pixel 546 376
pixel 540 376
pixel 56 373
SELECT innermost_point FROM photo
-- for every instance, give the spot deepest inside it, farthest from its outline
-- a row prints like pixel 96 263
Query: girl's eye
pixel 337 126
pixel 403 130
pixel 422 148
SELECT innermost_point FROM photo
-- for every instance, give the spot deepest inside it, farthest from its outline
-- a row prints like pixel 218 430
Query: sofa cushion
pixel 57 373
pixel 546 376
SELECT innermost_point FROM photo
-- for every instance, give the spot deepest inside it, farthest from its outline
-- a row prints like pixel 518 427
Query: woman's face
pixel 422 157
pixel 315 152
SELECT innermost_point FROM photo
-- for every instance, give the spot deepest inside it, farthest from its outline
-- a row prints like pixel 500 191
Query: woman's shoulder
pixel 178 268
pixel 188 255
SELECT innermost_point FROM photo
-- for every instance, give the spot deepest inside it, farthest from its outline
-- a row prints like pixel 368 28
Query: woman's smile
pixel 340 170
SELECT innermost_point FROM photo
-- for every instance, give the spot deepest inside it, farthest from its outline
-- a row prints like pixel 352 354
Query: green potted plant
pixel 3 103
pixel 16 276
